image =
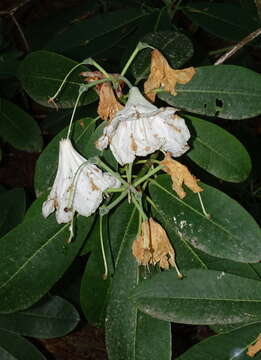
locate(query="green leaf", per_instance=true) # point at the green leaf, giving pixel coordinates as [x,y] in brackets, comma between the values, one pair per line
[11,214]
[85,33]
[222,235]
[46,166]
[94,287]
[174,45]
[40,31]
[218,152]
[202,297]
[33,256]
[221,20]
[226,91]
[19,128]
[52,317]
[129,334]
[41,74]
[15,347]
[229,346]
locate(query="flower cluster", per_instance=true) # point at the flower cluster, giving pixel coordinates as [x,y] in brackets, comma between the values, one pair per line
[137,129]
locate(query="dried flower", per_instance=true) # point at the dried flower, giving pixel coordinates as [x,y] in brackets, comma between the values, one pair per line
[78,185]
[180,174]
[163,76]
[152,246]
[141,128]
[108,104]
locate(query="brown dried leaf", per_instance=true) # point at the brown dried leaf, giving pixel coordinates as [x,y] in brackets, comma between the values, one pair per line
[163,76]
[254,349]
[180,174]
[108,104]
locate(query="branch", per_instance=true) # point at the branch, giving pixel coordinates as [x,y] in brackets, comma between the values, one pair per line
[238,46]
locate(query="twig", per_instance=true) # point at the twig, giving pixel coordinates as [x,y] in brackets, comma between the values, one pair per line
[15,8]
[11,12]
[26,45]
[238,46]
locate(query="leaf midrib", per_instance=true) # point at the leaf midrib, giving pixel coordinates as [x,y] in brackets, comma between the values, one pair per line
[197,212]
[31,257]
[209,147]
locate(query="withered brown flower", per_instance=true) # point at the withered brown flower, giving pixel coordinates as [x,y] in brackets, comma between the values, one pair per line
[153,247]
[163,76]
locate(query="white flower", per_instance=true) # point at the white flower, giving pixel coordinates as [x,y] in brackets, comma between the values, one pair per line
[141,128]
[78,185]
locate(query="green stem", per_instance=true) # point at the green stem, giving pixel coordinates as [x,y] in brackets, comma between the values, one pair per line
[90,61]
[103,210]
[100,163]
[105,275]
[82,89]
[138,48]
[139,207]
[63,82]
[148,175]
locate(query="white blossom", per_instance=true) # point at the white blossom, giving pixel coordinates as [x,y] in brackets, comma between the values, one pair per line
[78,185]
[141,128]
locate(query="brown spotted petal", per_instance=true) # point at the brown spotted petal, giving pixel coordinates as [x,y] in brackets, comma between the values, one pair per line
[163,76]
[141,248]
[180,174]
[140,128]
[78,185]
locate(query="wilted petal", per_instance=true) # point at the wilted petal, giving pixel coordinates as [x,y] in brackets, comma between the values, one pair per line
[163,76]
[108,104]
[141,128]
[180,174]
[78,185]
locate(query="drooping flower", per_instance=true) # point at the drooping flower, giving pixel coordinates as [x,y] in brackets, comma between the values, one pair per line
[141,128]
[153,247]
[78,185]
[180,174]
[163,76]
[108,103]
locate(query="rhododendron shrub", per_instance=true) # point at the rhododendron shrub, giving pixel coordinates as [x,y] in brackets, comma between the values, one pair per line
[121,187]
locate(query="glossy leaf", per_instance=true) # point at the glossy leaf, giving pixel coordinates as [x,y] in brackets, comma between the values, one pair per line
[174,45]
[218,152]
[46,166]
[84,34]
[51,317]
[226,91]
[19,128]
[229,346]
[33,256]
[221,19]
[41,74]
[129,334]
[12,209]
[94,287]
[202,297]
[15,347]
[222,235]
